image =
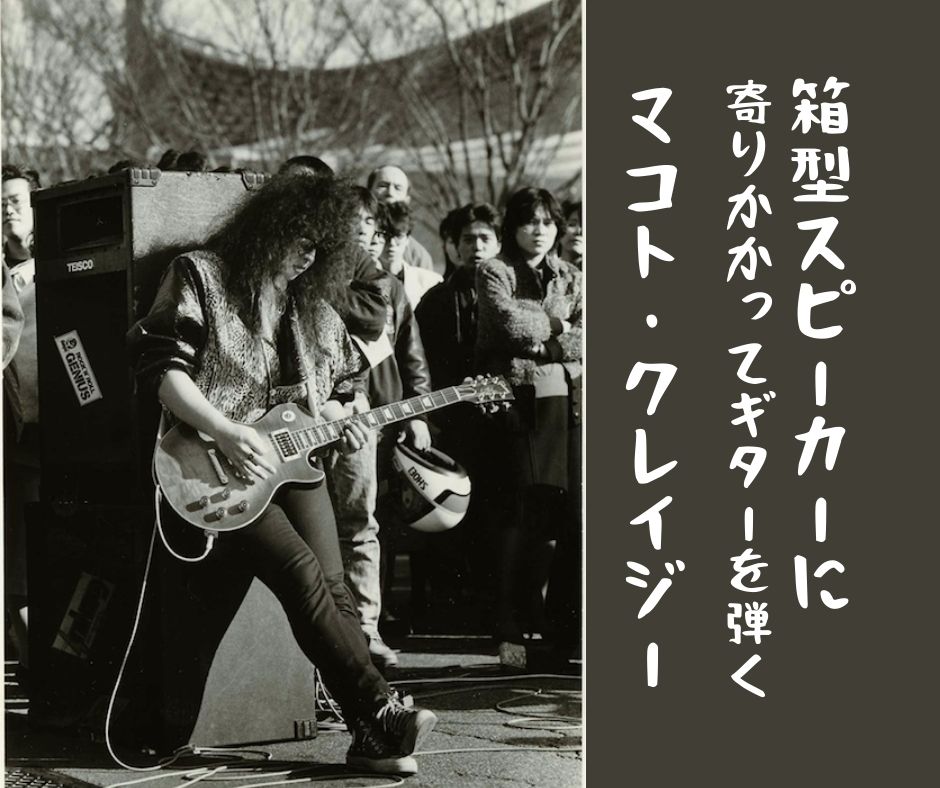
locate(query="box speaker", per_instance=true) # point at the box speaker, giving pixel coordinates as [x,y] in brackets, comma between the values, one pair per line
[102,246]
[214,661]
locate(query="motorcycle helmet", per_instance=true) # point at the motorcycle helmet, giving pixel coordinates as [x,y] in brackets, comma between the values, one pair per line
[433,490]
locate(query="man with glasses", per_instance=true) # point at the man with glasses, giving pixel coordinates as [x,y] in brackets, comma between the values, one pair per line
[390,185]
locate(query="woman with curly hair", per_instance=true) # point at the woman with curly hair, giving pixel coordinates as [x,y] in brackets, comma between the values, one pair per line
[237,328]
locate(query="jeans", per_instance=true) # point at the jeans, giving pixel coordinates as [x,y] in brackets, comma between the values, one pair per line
[292,548]
[353,487]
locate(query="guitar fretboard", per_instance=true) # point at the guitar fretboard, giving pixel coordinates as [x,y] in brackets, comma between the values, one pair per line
[322,434]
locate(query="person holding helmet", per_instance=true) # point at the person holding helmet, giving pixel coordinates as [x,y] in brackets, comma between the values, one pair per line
[460,565]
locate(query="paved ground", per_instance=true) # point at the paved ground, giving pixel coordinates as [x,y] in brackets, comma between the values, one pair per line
[495,730]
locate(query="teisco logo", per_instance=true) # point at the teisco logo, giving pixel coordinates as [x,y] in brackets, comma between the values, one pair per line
[80,265]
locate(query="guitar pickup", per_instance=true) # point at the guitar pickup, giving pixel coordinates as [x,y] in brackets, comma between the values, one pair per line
[284,443]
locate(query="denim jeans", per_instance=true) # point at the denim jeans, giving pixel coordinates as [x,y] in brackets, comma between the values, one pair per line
[293,549]
[353,487]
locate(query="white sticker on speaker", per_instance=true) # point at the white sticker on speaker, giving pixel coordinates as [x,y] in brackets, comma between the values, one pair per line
[76,365]
[83,619]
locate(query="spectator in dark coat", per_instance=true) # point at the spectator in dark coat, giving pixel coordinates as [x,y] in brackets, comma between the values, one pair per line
[447,312]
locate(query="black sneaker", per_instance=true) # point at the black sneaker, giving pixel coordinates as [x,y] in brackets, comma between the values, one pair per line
[405,726]
[372,751]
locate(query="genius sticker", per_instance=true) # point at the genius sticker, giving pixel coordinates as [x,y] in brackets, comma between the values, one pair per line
[77,367]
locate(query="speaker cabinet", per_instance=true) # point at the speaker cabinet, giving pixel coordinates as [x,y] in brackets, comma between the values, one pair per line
[102,246]
[214,661]
[231,671]
[85,570]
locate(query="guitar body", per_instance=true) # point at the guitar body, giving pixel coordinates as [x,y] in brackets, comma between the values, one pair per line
[201,486]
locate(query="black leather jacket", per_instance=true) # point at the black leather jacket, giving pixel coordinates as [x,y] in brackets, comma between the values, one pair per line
[447,316]
[362,304]
[405,374]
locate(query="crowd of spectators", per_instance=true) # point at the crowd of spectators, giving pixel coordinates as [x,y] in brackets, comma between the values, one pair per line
[508,302]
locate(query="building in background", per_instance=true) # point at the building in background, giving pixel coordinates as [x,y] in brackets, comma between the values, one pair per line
[477,100]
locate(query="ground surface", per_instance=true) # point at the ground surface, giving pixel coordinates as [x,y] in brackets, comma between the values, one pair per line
[534,742]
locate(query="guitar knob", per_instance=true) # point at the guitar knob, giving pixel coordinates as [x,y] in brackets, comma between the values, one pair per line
[242,506]
[203,502]
[225,494]
[219,514]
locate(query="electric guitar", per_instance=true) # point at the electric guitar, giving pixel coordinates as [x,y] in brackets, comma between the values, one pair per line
[202,487]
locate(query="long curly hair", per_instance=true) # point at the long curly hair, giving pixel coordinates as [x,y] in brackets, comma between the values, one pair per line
[255,240]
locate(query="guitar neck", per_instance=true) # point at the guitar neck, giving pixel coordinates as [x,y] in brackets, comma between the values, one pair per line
[317,436]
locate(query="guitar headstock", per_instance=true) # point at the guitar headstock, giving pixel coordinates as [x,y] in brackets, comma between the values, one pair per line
[486,390]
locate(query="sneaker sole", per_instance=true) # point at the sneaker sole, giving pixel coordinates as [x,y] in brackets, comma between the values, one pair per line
[424,722]
[398,765]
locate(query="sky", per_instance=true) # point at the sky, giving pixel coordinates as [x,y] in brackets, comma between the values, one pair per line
[233,24]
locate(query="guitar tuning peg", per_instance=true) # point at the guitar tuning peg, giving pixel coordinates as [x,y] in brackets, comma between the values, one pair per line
[479,377]
[505,405]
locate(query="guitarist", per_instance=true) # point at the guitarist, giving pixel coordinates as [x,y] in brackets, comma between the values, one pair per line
[235,329]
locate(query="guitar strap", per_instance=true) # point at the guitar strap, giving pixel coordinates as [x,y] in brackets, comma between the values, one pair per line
[311,399]
[162,428]
[302,360]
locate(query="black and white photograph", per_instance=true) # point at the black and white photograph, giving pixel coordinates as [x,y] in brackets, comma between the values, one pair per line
[297,287]
[325,488]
